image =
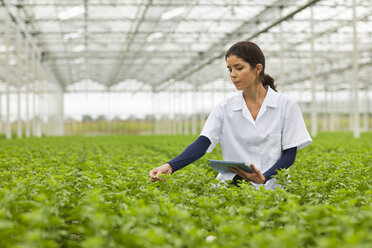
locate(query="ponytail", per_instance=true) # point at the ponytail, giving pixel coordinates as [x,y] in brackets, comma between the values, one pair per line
[268,80]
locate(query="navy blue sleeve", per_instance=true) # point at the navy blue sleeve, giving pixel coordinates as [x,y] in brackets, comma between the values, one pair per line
[192,153]
[286,160]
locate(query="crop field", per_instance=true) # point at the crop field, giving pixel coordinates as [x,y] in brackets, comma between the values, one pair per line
[95,192]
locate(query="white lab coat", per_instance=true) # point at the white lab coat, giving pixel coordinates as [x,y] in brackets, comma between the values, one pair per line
[279,125]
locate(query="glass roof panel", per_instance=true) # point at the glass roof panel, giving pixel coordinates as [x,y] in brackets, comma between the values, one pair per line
[109,41]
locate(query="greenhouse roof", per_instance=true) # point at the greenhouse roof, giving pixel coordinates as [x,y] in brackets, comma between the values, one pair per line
[139,45]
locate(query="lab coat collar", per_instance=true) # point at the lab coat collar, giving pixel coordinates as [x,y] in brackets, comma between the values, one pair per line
[271,100]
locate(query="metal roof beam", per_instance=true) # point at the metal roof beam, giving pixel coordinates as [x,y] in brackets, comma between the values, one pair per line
[347,67]
[173,28]
[182,73]
[64,45]
[132,3]
[22,28]
[127,44]
[187,20]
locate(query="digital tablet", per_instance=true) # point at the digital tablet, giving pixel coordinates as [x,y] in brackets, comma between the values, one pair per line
[223,166]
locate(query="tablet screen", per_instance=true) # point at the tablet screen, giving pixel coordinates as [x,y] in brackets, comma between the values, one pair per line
[223,166]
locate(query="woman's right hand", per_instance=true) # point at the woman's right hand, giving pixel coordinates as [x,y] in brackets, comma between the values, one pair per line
[163,169]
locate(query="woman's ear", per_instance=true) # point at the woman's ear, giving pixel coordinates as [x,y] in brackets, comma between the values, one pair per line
[259,68]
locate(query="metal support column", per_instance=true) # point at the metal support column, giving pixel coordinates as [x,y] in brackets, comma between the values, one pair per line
[34,79]
[158,99]
[183,106]
[314,111]
[174,106]
[158,117]
[108,100]
[332,111]
[366,111]
[162,114]
[141,120]
[131,118]
[165,109]
[187,113]
[19,81]
[171,111]
[212,96]
[351,108]
[43,102]
[201,117]
[153,113]
[8,131]
[61,122]
[180,115]
[355,81]
[47,128]
[39,80]
[281,74]
[326,109]
[193,111]
[27,95]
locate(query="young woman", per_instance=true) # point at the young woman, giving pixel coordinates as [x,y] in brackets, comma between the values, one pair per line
[257,125]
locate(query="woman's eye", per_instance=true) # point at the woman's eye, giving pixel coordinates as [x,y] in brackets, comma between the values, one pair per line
[239,69]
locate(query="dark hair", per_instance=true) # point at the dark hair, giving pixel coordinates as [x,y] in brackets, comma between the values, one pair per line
[252,54]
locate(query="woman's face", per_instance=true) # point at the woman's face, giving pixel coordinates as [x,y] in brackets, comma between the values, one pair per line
[241,73]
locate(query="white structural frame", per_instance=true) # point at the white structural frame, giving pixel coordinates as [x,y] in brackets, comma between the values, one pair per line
[323,54]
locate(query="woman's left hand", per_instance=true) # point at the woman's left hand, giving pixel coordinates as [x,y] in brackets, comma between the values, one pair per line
[255,177]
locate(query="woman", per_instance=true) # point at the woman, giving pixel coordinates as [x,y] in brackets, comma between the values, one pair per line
[256,125]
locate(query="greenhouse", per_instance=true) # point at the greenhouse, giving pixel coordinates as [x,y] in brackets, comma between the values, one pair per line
[97,94]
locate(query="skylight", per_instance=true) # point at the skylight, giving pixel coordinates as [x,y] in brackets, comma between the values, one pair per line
[72,12]
[154,36]
[173,13]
